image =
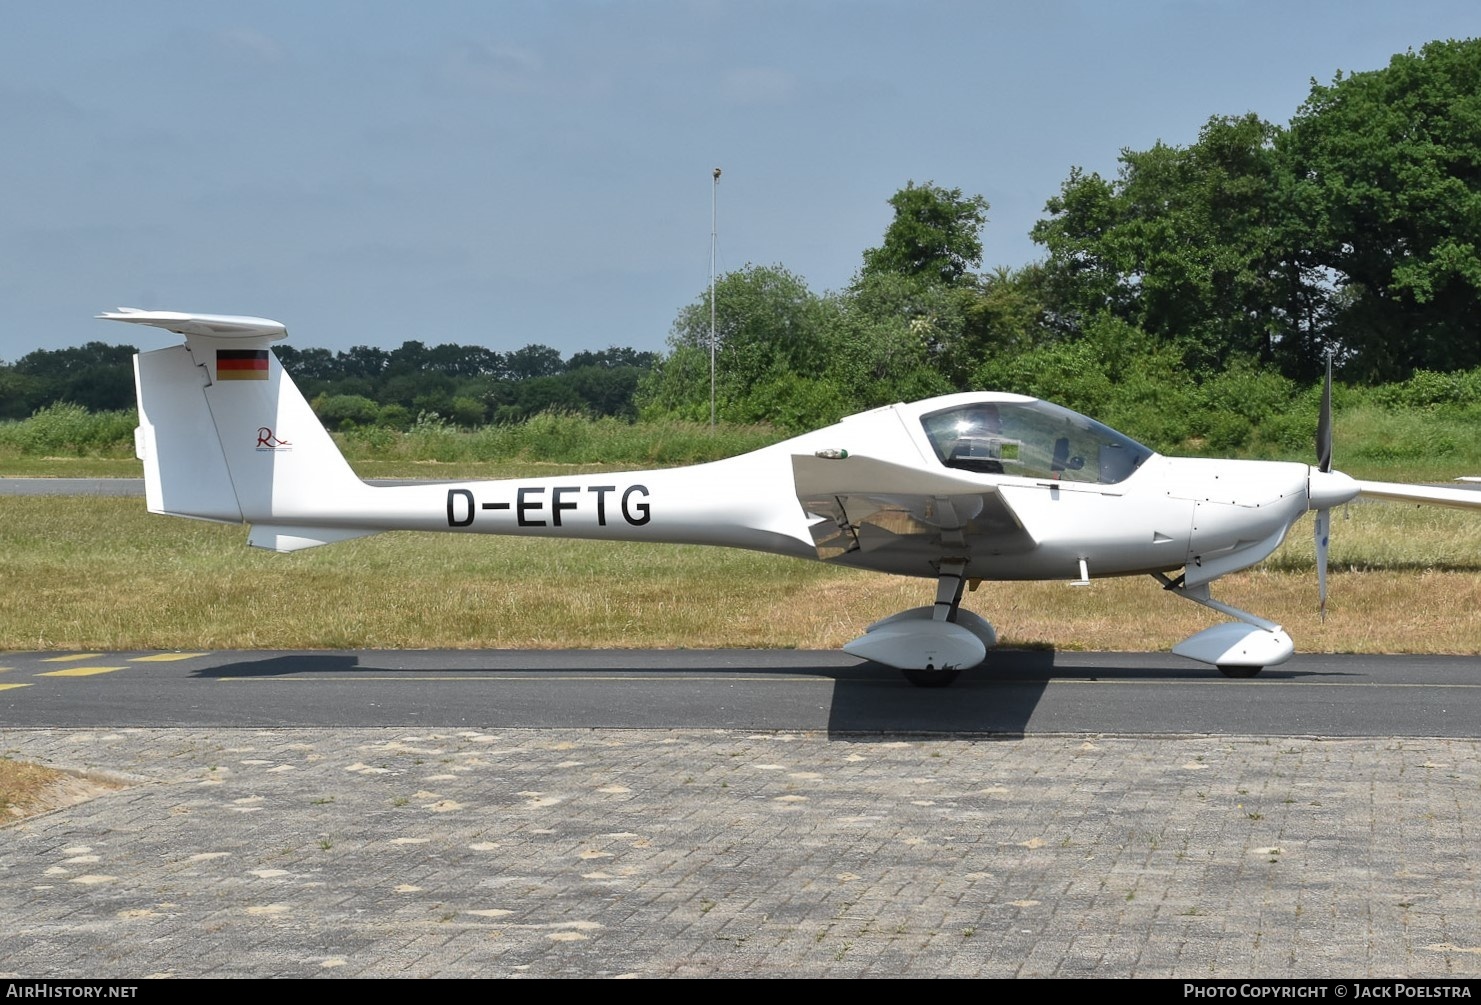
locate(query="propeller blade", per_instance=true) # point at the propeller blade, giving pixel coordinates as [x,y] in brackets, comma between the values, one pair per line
[1322,529]
[1324,423]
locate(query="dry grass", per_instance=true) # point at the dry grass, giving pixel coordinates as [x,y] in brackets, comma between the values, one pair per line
[23,786]
[27,789]
[101,574]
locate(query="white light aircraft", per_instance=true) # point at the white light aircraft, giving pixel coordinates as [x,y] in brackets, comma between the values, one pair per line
[956,489]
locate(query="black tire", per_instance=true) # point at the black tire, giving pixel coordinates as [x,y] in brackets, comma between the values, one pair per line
[1240,671]
[932,678]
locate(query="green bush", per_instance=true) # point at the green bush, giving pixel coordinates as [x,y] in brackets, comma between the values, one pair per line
[433,438]
[346,411]
[368,441]
[67,429]
[564,435]
[792,403]
[1428,389]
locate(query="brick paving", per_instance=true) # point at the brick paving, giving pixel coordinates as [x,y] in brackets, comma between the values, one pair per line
[587,853]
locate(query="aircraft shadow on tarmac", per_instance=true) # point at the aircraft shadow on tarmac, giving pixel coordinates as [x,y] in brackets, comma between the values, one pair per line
[1006,666]
[995,701]
[868,700]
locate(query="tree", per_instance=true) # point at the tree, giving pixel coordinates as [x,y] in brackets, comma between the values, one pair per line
[466,361]
[935,236]
[1384,169]
[1085,272]
[1185,244]
[309,364]
[96,376]
[548,393]
[678,387]
[613,357]
[880,338]
[20,394]
[767,324]
[605,390]
[364,361]
[422,390]
[1002,314]
[411,357]
[533,361]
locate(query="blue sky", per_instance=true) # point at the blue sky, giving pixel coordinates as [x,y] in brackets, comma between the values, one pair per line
[508,173]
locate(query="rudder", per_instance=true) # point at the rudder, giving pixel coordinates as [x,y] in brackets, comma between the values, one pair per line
[185,471]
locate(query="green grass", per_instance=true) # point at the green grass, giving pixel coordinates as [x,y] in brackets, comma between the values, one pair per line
[13,465]
[557,438]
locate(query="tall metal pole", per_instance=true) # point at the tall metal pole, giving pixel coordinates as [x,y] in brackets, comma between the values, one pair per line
[714,192]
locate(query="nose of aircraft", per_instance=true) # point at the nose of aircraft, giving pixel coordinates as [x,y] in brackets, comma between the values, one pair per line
[1325,489]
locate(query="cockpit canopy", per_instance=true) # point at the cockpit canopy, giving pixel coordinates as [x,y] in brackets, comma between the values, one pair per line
[1031,439]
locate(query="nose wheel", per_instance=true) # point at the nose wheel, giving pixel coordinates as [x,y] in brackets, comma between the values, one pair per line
[1233,671]
[932,678]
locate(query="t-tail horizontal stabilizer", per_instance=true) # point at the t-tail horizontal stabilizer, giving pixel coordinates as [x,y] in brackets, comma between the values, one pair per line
[211,325]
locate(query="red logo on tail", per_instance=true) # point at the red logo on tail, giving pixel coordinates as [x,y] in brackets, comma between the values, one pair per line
[267,441]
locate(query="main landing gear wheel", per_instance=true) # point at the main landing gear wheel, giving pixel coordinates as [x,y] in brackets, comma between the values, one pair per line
[1229,671]
[932,678]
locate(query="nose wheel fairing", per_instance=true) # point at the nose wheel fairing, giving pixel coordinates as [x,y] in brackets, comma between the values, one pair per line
[1237,645]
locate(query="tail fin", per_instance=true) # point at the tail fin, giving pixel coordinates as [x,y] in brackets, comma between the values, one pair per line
[225,434]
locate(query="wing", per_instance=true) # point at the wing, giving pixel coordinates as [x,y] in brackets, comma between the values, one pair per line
[1434,495]
[866,505]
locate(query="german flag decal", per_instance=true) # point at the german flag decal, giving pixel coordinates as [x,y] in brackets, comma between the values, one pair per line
[241,364]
